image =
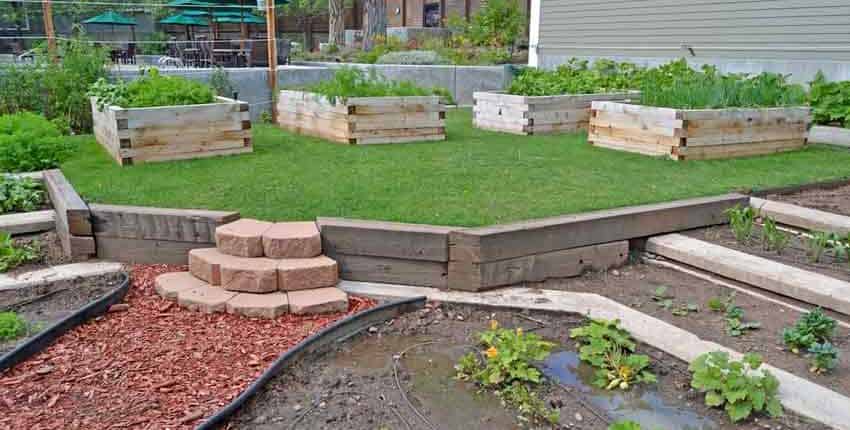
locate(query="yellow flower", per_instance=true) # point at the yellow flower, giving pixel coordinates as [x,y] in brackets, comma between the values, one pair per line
[492,352]
[519,331]
[494,324]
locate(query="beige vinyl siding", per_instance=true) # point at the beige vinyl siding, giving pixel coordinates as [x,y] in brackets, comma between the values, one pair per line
[735,29]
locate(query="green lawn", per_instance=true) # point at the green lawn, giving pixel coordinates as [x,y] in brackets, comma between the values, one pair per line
[474,178]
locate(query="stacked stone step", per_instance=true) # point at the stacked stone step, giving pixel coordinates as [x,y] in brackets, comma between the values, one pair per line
[259,269]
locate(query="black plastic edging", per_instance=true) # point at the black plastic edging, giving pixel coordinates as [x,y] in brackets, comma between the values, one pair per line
[46,337]
[340,330]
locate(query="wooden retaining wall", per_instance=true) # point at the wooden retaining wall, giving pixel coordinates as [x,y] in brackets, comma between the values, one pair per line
[363,120]
[528,115]
[144,235]
[73,219]
[698,134]
[830,135]
[139,135]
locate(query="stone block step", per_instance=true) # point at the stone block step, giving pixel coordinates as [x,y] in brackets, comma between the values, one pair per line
[242,238]
[202,297]
[250,275]
[292,240]
[317,301]
[169,285]
[205,263]
[307,273]
[271,305]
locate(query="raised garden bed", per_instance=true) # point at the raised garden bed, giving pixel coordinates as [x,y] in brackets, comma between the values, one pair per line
[527,115]
[698,134]
[164,133]
[829,135]
[363,120]
[835,199]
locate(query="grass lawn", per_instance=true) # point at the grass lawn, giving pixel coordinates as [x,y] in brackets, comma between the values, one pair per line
[474,178]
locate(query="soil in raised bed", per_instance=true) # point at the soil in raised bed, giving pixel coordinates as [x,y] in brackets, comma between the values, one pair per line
[353,385]
[835,200]
[50,252]
[795,253]
[46,304]
[635,285]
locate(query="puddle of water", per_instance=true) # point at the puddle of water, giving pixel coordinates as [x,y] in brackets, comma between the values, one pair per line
[641,404]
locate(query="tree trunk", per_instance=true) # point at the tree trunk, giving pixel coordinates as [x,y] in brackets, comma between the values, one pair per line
[375,23]
[336,34]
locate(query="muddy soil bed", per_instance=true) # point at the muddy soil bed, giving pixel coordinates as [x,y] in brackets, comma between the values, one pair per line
[43,305]
[795,253]
[635,285]
[835,200]
[353,385]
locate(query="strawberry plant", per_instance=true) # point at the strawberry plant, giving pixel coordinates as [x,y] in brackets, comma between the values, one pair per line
[609,349]
[20,194]
[812,328]
[740,387]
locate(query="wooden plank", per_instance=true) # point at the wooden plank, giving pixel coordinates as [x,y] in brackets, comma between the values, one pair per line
[657,113]
[744,135]
[501,242]
[638,148]
[389,101]
[803,217]
[738,150]
[71,210]
[385,239]
[505,127]
[399,132]
[134,222]
[408,107]
[245,149]
[392,270]
[789,281]
[663,127]
[399,139]
[143,251]
[469,276]
[28,222]
[788,113]
[830,135]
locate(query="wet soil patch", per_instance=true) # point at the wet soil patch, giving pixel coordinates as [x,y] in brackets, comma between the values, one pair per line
[353,385]
[45,304]
[835,200]
[795,253]
[635,285]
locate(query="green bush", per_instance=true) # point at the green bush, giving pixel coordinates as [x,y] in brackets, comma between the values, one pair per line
[351,82]
[499,23]
[830,101]
[29,142]
[577,77]
[11,326]
[20,194]
[383,45]
[152,90]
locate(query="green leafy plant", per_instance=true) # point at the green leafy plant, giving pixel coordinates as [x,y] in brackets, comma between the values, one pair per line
[660,297]
[20,194]
[12,256]
[30,142]
[841,246]
[577,77]
[735,324]
[220,82]
[151,90]
[740,387]
[824,357]
[773,239]
[12,326]
[830,101]
[609,349]
[818,243]
[625,425]
[811,328]
[741,220]
[720,304]
[685,310]
[351,82]
[505,367]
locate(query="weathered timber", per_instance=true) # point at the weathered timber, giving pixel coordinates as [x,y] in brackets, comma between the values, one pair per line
[164,133]
[28,222]
[527,115]
[363,120]
[698,134]
[144,251]
[392,270]
[73,223]
[385,239]
[181,225]
[802,217]
[826,135]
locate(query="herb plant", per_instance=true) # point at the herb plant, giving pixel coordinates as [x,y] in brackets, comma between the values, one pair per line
[12,326]
[818,243]
[12,255]
[609,349]
[824,356]
[577,77]
[350,82]
[812,328]
[151,90]
[30,142]
[741,220]
[773,239]
[740,387]
[20,194]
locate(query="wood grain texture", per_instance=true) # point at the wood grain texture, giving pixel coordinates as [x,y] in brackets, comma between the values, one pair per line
[28,222]
[144,251]
[73,223]
[385,239]
[182,225]
[392,270]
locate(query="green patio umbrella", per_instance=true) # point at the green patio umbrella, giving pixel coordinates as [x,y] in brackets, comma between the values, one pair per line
[246,19]
[186,20]
[112,19]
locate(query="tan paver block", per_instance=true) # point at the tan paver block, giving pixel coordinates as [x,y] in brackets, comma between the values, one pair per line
[205,263]
[307,273]
[318,301]
[249,275]
[168,285]
[204,298]
[269,305]
[292,240]
[242,238]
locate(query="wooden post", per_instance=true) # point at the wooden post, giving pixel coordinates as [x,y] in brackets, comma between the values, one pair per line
[404,13]
[442,13]
[271,32]
[47,9]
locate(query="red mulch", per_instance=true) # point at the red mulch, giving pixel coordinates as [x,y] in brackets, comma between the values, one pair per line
[153,366]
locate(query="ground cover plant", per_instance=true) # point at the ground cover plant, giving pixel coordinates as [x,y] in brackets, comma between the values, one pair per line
[151,90]
[610,350]
[473,178]
[30,142]
[20,194]
[12,326]
[740,387]
[577,77]
[13,255]
[351,82]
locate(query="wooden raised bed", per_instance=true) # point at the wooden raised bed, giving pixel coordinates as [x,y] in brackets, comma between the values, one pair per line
[527,115]
[698,134]
[363,120]
[164,133]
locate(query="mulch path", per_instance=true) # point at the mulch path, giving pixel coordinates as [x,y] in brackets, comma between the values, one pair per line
[153,366]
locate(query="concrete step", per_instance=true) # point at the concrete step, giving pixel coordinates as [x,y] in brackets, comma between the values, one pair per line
[250,275]
[169,285]
[306,273]
[292,240]
[270,305]
[242,238]
[205,263]
[802,217]
[191,292]
[317,301]
[28,222]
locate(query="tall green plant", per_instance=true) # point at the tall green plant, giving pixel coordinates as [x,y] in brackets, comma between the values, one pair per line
[741,220]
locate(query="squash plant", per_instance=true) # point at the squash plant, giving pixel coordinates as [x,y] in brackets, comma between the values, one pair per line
[609,349]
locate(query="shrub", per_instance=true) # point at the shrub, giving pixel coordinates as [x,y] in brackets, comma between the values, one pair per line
[352,82]
[498,23]
[151,90]
[830,101]
[383,45]
[577,77]
[20,194]
[740,387]
[220,82]
[12,256]
[412,57]
[30,142]
[11,326]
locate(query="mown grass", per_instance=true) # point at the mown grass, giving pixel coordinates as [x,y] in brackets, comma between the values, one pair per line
[474,178]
